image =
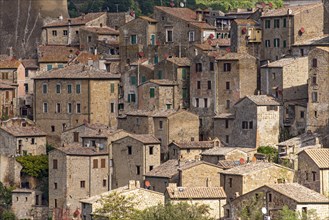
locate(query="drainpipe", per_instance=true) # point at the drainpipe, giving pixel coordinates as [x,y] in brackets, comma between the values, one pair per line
[89,194]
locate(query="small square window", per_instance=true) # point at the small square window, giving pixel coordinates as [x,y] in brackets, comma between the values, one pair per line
[82,184]
[151,150]
[138,170]
[130,151]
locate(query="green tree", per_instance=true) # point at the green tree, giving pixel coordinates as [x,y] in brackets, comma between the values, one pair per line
[270,153]
[35,166]
[7,215]
[252,208]
[288,214]
[5,196]
[179,211]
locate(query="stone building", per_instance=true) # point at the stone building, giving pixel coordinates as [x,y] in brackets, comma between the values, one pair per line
[289,149]
[55,57]
[286,79]
[143,198]
[159,94]
[27,204]
[245,178]
[313,170]
[167,126]
[293,195]
[187,173]
[214,197]
[190,150]
[8,104]
[65,31]
[285,26]
[132,156]
[90,135]
[256,123]
[176,69]
[237,77]
[318,98]
[20,136]
[76,173]
[74,95]
[8,68]
[90,38]
[117,19]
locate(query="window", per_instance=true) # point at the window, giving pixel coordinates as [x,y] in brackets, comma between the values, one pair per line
[89,39]
[152,39]
[184,93]
[251,125]
[69,88]
[93,143]
[314,63]
[273,76]
[159,74]
[267,24]
[198,67]
[133,39]
[316,114]
[209,84]
[103,163]
[184,74]
[314,96]
[49,67]
[227,139]
[244,125]
[95,163]
[65,32]
[132,97]
[284,44]
[160,124]
[211,66]
[314,80]
[191,35]
[45,107]
[197,102]
[200,122]
[276,42]
[77,88]
[151,150]
[267,43]
[152,91]
[270,197]
[133,80]
[58,107]
[138,170]
[302,114]
[69,108]
[198,84]
[54,33]
[226,123]
[26,87]
[130,150]
[168,106]
[314,175]
[143,79]
[76,136]
[112,107]
[32,141]
[230,182]
[169,35]
[26,73]
[227,67]
[228,104]
[284,22]
[82,184]
[52,128]
[55,201]
[205,100]
[76,32]
[104,183]
[276,23]
[156,59]
[55,185]
[55,163]
[304,210]
[150,168]
[228,86]
[78,109]
[44,88]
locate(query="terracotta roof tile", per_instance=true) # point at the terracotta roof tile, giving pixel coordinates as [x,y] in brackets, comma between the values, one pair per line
[162,82]
[53,54]
[77,71]
[82,151]
[250,168]
[30,63]
[285,61]
[182,13]
[145,138]
[196,192]
[262,100]
[82,20]
[148,19]
[9,63]
[228,164]
[101,30]
[183,61]
[7,85]
[299,193]
[21,128]
[319,156]
[194,144]
[241,21]
[294,10]
[218,151]
[234,56]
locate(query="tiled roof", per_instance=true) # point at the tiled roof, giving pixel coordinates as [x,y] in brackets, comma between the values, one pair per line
[139,113]
[194,144]
[316,41]
[250,168]
[145,138]
[205,46]
[262,100]
[228,164]
[53,54]
[163,82]
[30,63]
[222,42]
[225,115]
[9,63]
[77,71]
[82,20]
[148,19]
[299,193]
[101,30]
[217,151]
[285,61]
[7,85]
[283,11]
[196,192]
[99,133]
[323,48]
[319,156]
[299,140]
[82,151]
[182,13]
[20,131]
[241,21]
[234,56]
[183,61]
[85,56]
[203,25]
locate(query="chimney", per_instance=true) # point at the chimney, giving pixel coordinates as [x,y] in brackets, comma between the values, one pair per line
[11,52]
[131,184]
[199,16]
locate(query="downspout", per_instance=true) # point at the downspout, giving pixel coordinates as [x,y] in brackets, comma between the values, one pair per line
[89,176]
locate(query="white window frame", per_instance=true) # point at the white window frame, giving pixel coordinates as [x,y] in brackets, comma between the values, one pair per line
[68,108]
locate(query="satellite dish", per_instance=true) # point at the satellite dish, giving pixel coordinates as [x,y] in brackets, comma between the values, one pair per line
[264,210]
[181,4]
